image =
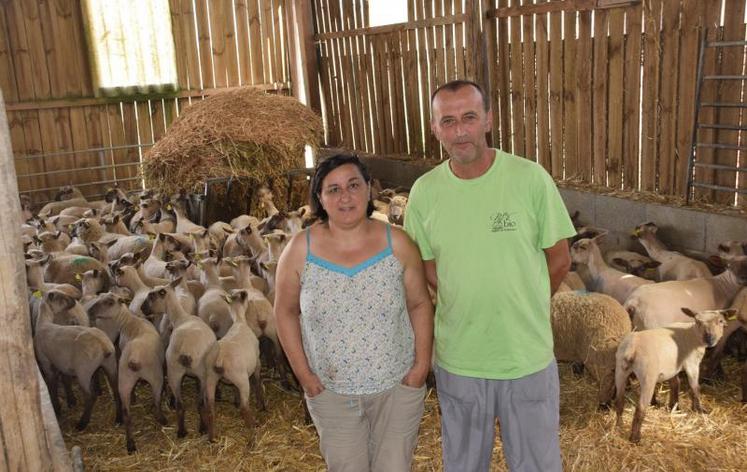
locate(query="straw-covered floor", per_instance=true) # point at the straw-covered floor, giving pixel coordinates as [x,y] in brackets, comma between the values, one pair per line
[671,440]
[242,132]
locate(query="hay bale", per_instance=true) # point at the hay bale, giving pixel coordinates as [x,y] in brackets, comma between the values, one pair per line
[242,133]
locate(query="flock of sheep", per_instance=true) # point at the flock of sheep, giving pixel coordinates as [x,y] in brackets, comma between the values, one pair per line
[132,287]
[624,313]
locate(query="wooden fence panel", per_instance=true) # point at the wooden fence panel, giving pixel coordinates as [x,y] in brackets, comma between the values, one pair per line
[584,110]
[631,114]
[530,87]
[19,45]
[687,72]
[517,88]
[556,93]
[7,76]
[651,81]
[615,98]
[668,97]
[570,128]
[543,90]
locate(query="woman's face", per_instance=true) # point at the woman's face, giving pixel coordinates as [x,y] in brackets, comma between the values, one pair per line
[344,194]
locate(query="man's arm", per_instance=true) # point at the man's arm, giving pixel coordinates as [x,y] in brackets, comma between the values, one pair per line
[430,274]
[558,263]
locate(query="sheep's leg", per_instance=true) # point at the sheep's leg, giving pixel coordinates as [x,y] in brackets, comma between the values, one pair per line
[621,379]
[647,391]
[202,408]
[744,383]
[175,384]
[110,371]
[212,384]
[156,385]
[90,399]
[52,379]
[259,396]
[692,378]
[674,391]
[606,390]
[127,381]
[67,384]
[712,364]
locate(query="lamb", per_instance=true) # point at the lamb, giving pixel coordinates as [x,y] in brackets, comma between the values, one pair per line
[93,283]
[68,196]
[674,266]
[605,279]
[155,265]
[396,211]
[75,351]
[633,263]
[656,305]
[66,268]
[246,240]
[235,359]
[126,276]
[212,306]
[141,357]
[52,241]
[133,244]
[266,202]
[190,342]
[35,279]
[276,242]
[587,329]
[660,354]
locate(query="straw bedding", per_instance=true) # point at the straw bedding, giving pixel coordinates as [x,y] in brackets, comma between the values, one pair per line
[671,440]
[242,132]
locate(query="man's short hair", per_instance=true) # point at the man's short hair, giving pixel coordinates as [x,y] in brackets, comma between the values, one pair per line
[455,85]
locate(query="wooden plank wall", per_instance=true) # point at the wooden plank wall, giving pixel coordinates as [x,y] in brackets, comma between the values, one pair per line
[62,134]
[599,96]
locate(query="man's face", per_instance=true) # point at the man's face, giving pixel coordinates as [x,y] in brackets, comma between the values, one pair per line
[459,121]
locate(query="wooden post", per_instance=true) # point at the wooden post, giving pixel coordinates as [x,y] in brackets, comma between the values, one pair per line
[303,54]
[22,435]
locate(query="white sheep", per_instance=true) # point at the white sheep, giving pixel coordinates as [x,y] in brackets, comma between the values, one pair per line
[587,329]
[235,359]
[657,305]
[633,263]
[674,266]
[185,355]
[619,285]
[656,355]
[74,351]
[212,306]
[141,357]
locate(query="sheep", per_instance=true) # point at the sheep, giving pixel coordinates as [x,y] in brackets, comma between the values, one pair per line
[133,244]
[93,282]
[66,268]
[52,241]
[26,207]
[115,224]
[573,281]
[148,211]
[183,224]
[235,359]
[633,263]
[141,357]
[587,329]
[68,196]
[245,240]
[212,306]
[75,351]
[674,266]
[656,305]
[660,354]
[266,203]
[276,242]
[155,265]
[126,276]
[605,279]
[35,279]
[190,341]
[242,221]
[396,211]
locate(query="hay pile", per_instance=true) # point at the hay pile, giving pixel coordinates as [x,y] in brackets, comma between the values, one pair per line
[671,440]
[242,132]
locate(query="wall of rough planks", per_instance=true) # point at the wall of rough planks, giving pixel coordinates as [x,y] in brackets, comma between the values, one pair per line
[604,96]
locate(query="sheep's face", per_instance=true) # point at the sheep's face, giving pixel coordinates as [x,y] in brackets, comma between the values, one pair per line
[94,281]
[278,221]
[397,210]
[738,267]
[581,251]
[59,301]
[276,242]
[710,324]
[155,301]
[645,230]
[176,268]
[731,249]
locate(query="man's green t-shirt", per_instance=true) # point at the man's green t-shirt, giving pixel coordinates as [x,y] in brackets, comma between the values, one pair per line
[487,237]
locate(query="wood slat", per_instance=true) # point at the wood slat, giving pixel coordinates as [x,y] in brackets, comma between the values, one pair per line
[459,52]
[530,88]
[224,42]
[599,90]
[398,109]
[268,41]
[500,87]
[98,137]
[180,41]
[631,114]
[584,110]
[615,102]
[19,47]
[37,54]
[412,96]
[277,33]
[242,38]
[70,57]
[449,43]
[732,61]
[651,80]
[687,75]
[7,69]
[570,138]
[81,140]
[256,46]
[517,88]
[543,90]
[668,97]
[54,127]
[203,41]
[556,94]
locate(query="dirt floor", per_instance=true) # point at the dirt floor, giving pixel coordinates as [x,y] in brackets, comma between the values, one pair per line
[671,440]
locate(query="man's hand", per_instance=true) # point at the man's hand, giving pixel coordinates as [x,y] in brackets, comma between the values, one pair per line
[415,377]
[311,384]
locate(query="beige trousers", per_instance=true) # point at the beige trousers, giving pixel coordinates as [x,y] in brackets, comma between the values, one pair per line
[376,432]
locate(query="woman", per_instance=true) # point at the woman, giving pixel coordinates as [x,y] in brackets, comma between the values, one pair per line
[356,323]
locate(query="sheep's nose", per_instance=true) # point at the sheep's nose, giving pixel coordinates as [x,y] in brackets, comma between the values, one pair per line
[710,340]
[262,324]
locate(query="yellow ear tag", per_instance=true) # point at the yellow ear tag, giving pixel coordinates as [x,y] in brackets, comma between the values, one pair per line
[732,317]
[151,236]
[78,277]
[168,207]
[37,294]
[228,299]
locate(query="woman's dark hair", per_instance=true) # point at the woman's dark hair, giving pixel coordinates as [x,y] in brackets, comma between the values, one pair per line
[323,168]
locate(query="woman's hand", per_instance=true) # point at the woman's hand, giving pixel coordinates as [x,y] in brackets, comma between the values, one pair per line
[311,384]
[415,377]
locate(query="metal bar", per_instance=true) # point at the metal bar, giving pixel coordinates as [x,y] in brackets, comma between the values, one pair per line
[732,147]
[716,126]
[66,153]
[721,167]
[720,188]
[725,77]
[723,105]
[721,44]
[87,184]
[694,135]
[68,171]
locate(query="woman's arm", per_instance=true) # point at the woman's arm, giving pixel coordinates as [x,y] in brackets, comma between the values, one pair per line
[288,312]
[419,306]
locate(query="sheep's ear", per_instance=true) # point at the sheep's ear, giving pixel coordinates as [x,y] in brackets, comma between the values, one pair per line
[96,273]
[58,234]
[111,243]
[652,264]
[600,237]
[730,314]
[621,262]
[175,282]
[688,312]
[115,218]
[302,211]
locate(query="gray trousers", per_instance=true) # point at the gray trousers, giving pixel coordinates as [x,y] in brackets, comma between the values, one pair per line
[376,432]
[526,408]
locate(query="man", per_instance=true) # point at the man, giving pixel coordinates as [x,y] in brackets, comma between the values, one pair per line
[491,228]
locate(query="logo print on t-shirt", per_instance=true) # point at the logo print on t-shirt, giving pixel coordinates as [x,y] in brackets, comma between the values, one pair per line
[503,221]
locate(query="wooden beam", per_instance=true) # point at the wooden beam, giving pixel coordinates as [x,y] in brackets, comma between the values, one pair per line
[550,7]
[304,64]
[444,20]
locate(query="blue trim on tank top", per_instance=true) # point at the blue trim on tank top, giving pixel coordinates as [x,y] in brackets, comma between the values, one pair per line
[356,269]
